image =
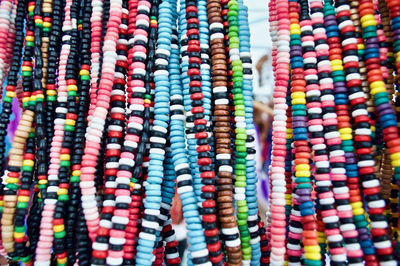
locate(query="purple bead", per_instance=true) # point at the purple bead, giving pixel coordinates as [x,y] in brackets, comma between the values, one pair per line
[383,107]
[302,199]
[299,124]
[299,119]
[294,53]
[329,22]
[339,89]
[371,41]
[303,191]
[386,111]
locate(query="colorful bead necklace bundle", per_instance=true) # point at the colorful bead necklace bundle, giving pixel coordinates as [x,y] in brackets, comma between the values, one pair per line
[125,103]
[335,133]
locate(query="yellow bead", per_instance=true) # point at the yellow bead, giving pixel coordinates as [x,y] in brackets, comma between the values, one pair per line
[378,90]
[19,235]
[373,128]
[288,196]
[337,68]
[338,62]
[42,182]
[312,256]
[396,163]
[51,92]
[31,8]
[298,94]
[377,84]
[302,167]
[11,94]
[23,198]
[76,172]
[33,98]
[358,211]
[299,101]
[312,249]
[84,72]
[395,156]
[29,38]
[367,17]
[62,261]
[346,130]
[62,191]
[153,21]
[40,96]
[346,136]
[72,88]
[58,228]
[295,26]
[38,21]
[12,180]
[65,157]
[295,32]
[303,174]
[147,101]
[25,99]
[131,184]
[1,202]
[26,68]
[368,23]
[357,204]
[29,163]
[360,46]
[46,24]
[70,122]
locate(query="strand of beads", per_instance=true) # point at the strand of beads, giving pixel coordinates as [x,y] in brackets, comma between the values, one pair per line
[251,176]
[350,63]
[7,36]
[240,131]
[279,134]
[333,141]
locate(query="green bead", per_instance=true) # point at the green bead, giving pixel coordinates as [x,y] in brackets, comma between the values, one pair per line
[46,29]
[233,34]
[62,264]
[12,186]
[241,148]
[7,99]
[237,90]
[238,97]
[299,113]
[65,163]
[233,6]
[27,168]
[362,224]
[312,262]
[241,160]
[240,130]
[239,107]
[26,73]
[233,22]
[243,227]
[39,25]
[69,128]
[51,98]
[304,186]
[299,180]
[237,74]
[63,197]
[240,184]
[42,186]
[296,107]
[240,142]
[240,166]
[19,229]
[238,102]
[241,203]
[234,40]
[59,234]
[368,35]
[147,96]
[241,154]
[240,173]
[232,13]
[246,256]
[26,259]
[22,205]
[242,218]
[245,239]
[30,44]
[239,113]
[243,209]
[71,93]
[75,179]
[233,29]
[85,77]
[370,29]
[241,136]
